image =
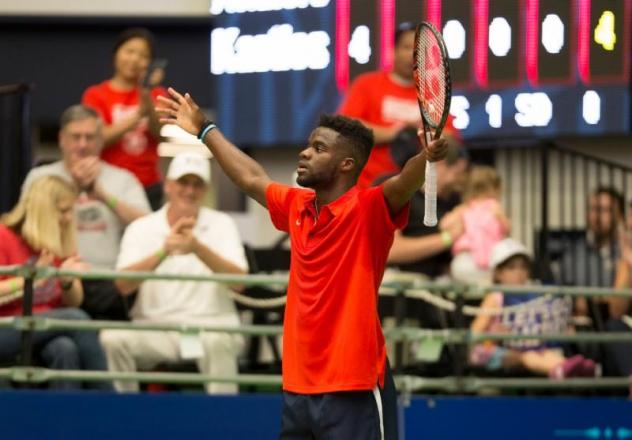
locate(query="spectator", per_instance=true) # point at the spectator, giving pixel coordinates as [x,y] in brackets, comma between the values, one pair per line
[181,238]
[530,314]
[132,129]
[485,224]
[619,354]
[110,198]
[39,230]
[424,249]
[386,102]
[619,306]
[591,260]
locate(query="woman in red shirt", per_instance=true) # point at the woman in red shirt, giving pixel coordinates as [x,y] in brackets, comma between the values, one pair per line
[131,128]
[40,230]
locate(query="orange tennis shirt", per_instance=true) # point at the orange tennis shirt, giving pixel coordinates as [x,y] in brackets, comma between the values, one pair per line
[332,338]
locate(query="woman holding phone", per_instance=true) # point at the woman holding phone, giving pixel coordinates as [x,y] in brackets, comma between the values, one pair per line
[126,105]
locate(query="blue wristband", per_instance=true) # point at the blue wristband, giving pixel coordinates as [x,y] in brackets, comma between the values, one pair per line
[205,130]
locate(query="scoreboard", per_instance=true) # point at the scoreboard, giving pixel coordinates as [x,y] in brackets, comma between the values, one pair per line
[540,68]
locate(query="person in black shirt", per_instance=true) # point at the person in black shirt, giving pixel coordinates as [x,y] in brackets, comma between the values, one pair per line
[423,249]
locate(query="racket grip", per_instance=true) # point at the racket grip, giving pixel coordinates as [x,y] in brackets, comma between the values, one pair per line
[430,195]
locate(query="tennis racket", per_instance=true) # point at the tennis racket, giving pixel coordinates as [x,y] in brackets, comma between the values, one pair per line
[434,92]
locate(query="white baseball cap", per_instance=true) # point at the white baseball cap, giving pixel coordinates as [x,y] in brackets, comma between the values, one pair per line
[504,250]
[189,163]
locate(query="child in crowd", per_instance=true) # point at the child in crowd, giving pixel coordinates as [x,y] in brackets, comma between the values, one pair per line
[524,314]
[485,224]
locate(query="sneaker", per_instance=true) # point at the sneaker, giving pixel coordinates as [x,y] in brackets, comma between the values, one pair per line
[568,368]
[588,368]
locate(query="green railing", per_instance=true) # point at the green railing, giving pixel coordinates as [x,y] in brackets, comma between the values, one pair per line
[400,285]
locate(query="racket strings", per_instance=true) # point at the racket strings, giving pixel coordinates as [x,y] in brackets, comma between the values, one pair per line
[430,76]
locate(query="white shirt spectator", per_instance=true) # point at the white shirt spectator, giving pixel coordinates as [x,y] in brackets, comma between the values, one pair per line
[183,301]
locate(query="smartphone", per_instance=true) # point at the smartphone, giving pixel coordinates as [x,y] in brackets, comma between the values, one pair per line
[158,63]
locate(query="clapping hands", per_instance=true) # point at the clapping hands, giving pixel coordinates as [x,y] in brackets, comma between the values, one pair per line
[181,239]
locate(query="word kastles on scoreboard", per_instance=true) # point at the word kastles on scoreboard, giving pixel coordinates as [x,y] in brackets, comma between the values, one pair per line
[280,49]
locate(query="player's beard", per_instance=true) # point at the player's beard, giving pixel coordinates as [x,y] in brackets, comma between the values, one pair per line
[315,180]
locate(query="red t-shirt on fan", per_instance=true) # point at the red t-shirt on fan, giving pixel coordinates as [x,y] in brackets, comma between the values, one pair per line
[14,250]
[332,337]
[376,99]
[137,151]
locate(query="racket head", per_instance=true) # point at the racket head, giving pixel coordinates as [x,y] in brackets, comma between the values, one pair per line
[431,74]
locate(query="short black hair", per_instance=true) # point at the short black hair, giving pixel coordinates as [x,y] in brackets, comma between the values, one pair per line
[402,28]
[359,138]
[131,33]
[614,195]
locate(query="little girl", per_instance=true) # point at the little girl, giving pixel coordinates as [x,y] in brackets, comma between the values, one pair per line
[484,222]
[524,314]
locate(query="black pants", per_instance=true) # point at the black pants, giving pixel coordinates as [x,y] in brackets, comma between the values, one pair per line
[341,415]
[618,354]
[102,300]
[61,349]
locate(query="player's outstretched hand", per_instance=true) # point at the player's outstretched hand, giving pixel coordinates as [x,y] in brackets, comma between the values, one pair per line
[180,110]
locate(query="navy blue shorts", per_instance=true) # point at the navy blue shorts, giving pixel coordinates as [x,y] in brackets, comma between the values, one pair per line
[344,415]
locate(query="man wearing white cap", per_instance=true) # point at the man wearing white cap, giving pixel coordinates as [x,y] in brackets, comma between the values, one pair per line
[181,238]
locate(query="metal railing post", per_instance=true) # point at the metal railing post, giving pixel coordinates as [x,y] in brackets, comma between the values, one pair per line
[27,310]
[544,260]
[400,316]
[461,346]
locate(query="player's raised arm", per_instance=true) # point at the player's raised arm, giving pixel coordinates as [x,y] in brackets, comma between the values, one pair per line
[242,169]
[399,189]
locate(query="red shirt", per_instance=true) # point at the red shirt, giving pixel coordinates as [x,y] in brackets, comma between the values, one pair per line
[14,250]
[137,151]
[332,338]
[376,99]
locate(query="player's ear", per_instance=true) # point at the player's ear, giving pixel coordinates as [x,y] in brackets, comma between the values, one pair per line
[347,164]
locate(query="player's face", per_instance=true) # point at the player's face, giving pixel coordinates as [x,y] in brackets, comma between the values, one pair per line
[186,194]
[403,55]
[514,272]
[81,138]
[132,59]
[318,162]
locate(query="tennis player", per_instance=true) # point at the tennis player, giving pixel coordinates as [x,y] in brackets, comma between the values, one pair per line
[334,356]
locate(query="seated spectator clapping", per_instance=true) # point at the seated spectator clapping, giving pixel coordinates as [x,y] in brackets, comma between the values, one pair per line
[181,238]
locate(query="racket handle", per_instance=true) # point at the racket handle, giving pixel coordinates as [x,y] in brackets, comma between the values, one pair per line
[430,195]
